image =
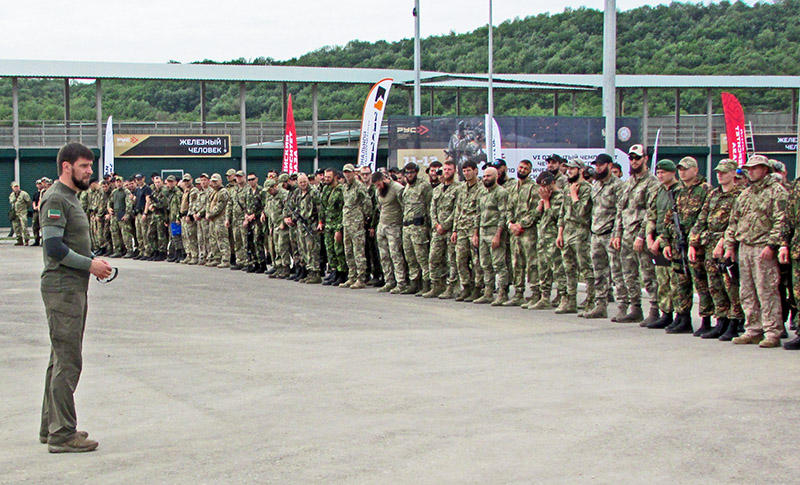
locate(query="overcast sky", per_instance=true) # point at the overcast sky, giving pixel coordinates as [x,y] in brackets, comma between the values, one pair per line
[185,31]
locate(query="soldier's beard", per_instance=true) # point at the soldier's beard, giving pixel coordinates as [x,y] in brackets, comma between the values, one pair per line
[634,171]
[488,183]
[384,190]
[601,175]
[501,177]
[80,183]
[574,179]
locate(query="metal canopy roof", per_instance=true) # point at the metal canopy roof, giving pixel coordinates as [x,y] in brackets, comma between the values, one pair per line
[433,79]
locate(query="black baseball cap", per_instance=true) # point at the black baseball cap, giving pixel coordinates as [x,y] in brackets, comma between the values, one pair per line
[602,158]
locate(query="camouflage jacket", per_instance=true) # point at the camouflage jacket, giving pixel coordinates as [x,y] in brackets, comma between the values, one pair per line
[689,199]
[466,207]
[357,205]
[576,214]
[492,209]
[217,203]
[174,204]
[100,203]
[757,215]
[417,202]
[443,202]
[159,199]
[548,223]
[254,202]
[236,208]
[657,211]
[634,200]
[523,198]
[123,202]
[605,195]
[391,205]
[189,201]
[274,207]
[790,225]
[714,218]
[561,180]
[374,217]
[303,205]
[22,201]
[332,201]
[200,203]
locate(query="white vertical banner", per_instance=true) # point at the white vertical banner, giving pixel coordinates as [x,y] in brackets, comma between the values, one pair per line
[371,123]
[497,145]
[108,150]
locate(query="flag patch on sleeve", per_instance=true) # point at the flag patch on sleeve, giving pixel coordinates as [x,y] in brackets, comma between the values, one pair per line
[54,214]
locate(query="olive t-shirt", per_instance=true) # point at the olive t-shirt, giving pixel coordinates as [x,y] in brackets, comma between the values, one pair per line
[60,207]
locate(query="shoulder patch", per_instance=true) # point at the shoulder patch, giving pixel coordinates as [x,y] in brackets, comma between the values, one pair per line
[54,214]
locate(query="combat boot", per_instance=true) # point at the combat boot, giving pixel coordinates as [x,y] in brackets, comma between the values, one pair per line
[600,310]
[224,265]
[634,315]
[769,342]
[542,304]
[622,310]
[502,297]
[487,297]
[684,324]
[731,332]
[588,305]
[251,268]
[193,262]
[235,267]
[261,268]
[569,304]
[465,292]
[333,280]
[387,287]
[663,322]
[426,287]
[748,339]
[793,344]
[557,300]
[348,283]
[313,278]
[705,326]
[160,256]
[293,273]
[437,288]
[399,289]
[276,273]
[477,291]
[170,257]
[518,300]
[209,262]
[303,275]
[652,316]
[329,277]
[718,330]
[448,293]
[113,255]
[186,259]
[412,288]
[534,298]
[358,285]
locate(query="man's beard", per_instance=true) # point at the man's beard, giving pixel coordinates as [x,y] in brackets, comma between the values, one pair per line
[488,183]
[383,191]
[522,177]
[501,178]
[80,183]
[555,171]
[601,175]
[574,179]
[634,171]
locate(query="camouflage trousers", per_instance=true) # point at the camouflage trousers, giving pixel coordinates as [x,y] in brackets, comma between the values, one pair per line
[442,259]
[667,282]
[698,280]
[20,226]
[493,260]
[254,237]
[335,251]
[280,242]
[219,245]
[203,238]
[158,233]
[121,236]
[636,267]
[468,262]
[526,265]
[724,293]
[390,248]
[354,252]
[309,248]
[294,245]
[239,247]
[576,256]
[605,262]
[416,246]
[549,259]
[142,236]
[190,238]
[758,288]
[100,229]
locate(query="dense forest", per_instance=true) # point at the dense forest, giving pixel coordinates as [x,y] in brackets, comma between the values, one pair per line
[719,38]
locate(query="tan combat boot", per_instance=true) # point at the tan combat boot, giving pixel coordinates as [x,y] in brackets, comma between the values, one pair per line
[437,288]
[569,304]
[358,285]
[542,304]
[502,297]
[389,286]
[599,311]
[477,291]
[447,294]
[486,298]
[519,299]
[313,278]
[465,292]
[622,310]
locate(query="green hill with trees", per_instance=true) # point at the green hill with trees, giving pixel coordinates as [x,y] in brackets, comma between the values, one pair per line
[720,38]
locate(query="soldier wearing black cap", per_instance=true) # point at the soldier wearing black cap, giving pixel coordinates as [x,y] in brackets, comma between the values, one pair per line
[555,164]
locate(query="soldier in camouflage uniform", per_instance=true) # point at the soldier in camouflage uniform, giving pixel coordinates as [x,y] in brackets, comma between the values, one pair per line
[274,206]
[551,199]
[355,210]
[416,230]
[234,221]
[189,224]
[556,165]
[470,272]
[175,194]
[491,237]
[120,208]
[789,252]
[332,205]
[574,237]
[254,229]
[523,200]
[629,240]
[442,255]
[215,214]
[390,232]
[99,221]
[689,201]
[605,194]
[156,211]
[370,238]
[706,237]
[755,227]
[304,214]
[20,201]
[203,231]
[656,221]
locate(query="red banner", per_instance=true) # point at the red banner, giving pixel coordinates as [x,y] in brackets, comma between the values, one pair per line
[734,127]
[290,158]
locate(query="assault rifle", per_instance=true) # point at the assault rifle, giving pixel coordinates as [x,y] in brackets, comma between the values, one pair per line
[299,218]
[680,237]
